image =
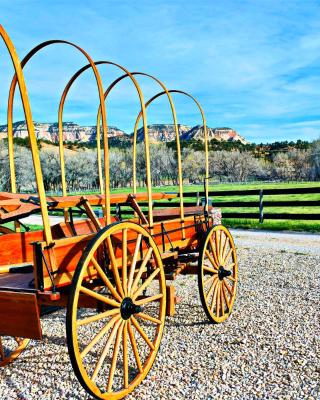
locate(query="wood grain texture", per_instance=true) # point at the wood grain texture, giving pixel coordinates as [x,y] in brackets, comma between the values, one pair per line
[19,315]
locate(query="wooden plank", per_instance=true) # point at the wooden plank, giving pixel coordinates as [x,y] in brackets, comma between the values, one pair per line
[170,306]
[224,193]
[237,204]
[307,190]
[16,248]
[240,215]
[266,203]
[292,203]
[19,315]
[30,203]
[307,217]
[253,192]
[95,199]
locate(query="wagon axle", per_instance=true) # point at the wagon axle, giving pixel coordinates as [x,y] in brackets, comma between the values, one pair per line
[222,273]
[128,308]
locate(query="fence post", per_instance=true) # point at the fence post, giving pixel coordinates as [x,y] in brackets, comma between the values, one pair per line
[198,198]
[261,206]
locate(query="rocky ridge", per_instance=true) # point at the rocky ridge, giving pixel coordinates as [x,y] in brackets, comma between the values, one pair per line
[75,133]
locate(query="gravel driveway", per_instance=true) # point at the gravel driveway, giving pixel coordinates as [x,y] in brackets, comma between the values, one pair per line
[268,349]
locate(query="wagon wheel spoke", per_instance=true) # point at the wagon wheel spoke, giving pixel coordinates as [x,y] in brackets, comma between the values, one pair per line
[115,357]
[214,297]
[125,355]
[228,255]
[214,284]
[214,260]
[106,280]
[218,300]
[231,278]
[228,288]
[124,261]
[213,263]
[149,318]
[141,270]
[221,300]
[134,347]
[225,296]
[218,274]
[114,266]
[209,269]
[149,299]
[100,297]
[225,248]
[134,262]
[147,283]
[99,335]
[105,350]
[142,333]
[97,317]
[229,267]
[220,244]
[216,238]
[209,280]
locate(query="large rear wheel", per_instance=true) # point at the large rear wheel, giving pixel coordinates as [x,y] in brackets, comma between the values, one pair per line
[113,343]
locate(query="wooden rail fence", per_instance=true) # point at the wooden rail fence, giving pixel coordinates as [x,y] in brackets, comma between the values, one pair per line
[197,198]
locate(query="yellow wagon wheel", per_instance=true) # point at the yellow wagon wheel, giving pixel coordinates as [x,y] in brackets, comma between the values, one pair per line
[10,347]
[113,343]
[218,274]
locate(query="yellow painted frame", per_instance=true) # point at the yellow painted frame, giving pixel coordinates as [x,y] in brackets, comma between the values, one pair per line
[98,135]
[134,169]
[33,142]
[19,79]
[176,128]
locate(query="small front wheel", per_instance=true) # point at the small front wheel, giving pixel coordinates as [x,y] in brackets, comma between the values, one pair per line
[218,274]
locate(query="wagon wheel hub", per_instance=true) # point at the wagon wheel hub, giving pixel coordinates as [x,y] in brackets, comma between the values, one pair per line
[128,308]
[222,273]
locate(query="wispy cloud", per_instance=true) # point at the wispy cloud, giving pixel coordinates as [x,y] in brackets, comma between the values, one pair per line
[253,65]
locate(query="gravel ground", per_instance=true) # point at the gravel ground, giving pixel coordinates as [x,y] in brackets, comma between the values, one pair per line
[269,348]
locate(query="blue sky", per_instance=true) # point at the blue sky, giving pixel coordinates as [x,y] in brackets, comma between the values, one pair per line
[253,65]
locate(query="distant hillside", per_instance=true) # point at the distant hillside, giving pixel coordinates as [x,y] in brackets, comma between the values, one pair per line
[165,133]
[75,133]
[162,132]
[49,131]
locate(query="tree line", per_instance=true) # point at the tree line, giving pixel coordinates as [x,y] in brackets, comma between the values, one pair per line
[295,164]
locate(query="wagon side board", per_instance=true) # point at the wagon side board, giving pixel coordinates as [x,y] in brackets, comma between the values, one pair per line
[19,315]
